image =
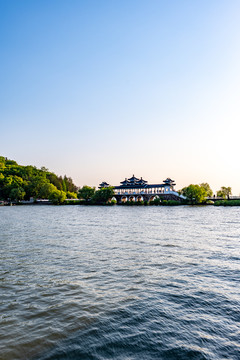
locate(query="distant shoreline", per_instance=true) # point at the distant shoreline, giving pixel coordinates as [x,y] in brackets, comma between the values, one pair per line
[170,203]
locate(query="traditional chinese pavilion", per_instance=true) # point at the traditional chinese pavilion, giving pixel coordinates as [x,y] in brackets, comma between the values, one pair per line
[135,189]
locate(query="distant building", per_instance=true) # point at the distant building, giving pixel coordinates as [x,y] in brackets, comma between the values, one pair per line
[135,189]
[103,185]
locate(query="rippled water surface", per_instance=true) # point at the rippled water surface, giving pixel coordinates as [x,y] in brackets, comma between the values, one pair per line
[119,283]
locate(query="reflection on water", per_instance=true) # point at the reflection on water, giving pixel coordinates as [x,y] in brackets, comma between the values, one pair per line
[119,283]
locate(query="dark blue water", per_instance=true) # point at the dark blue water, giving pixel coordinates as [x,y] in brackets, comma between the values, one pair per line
[119,283]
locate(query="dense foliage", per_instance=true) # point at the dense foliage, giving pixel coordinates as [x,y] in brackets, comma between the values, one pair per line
[224,192]
[86,192]
[19,182]
[197,194]
[207,188]
[96,197]
[103,195]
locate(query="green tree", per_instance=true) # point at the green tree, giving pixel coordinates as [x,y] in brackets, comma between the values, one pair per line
[57,197]
[8,180]
[103,195]
[55,180]
[46,190]
[35,182]
[10,162]
[1,178]
[17,181]
[207,188]
[195,194]
[224,192]
[17,194]
[71,195]
[69,184]
[86,192]
[2,163]
[64,187]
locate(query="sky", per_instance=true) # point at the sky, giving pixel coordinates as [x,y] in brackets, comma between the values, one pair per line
[102,90]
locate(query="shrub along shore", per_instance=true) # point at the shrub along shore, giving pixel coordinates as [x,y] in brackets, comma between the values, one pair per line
[163,203]
[156,202]
[131,203]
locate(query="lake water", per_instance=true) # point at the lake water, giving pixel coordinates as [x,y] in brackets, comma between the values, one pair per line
[119,283]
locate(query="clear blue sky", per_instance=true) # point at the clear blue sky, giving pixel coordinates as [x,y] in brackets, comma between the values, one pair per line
[99,90]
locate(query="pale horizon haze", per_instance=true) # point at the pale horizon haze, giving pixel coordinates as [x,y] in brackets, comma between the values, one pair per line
[102,90]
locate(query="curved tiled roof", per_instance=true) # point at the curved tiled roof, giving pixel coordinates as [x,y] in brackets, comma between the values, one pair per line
[133,179]
[103,184]
[169,181]
[135,183]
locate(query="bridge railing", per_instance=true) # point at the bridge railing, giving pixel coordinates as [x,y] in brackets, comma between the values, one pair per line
[221,198]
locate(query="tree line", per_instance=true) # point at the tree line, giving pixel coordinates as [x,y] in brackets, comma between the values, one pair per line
[19,182]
